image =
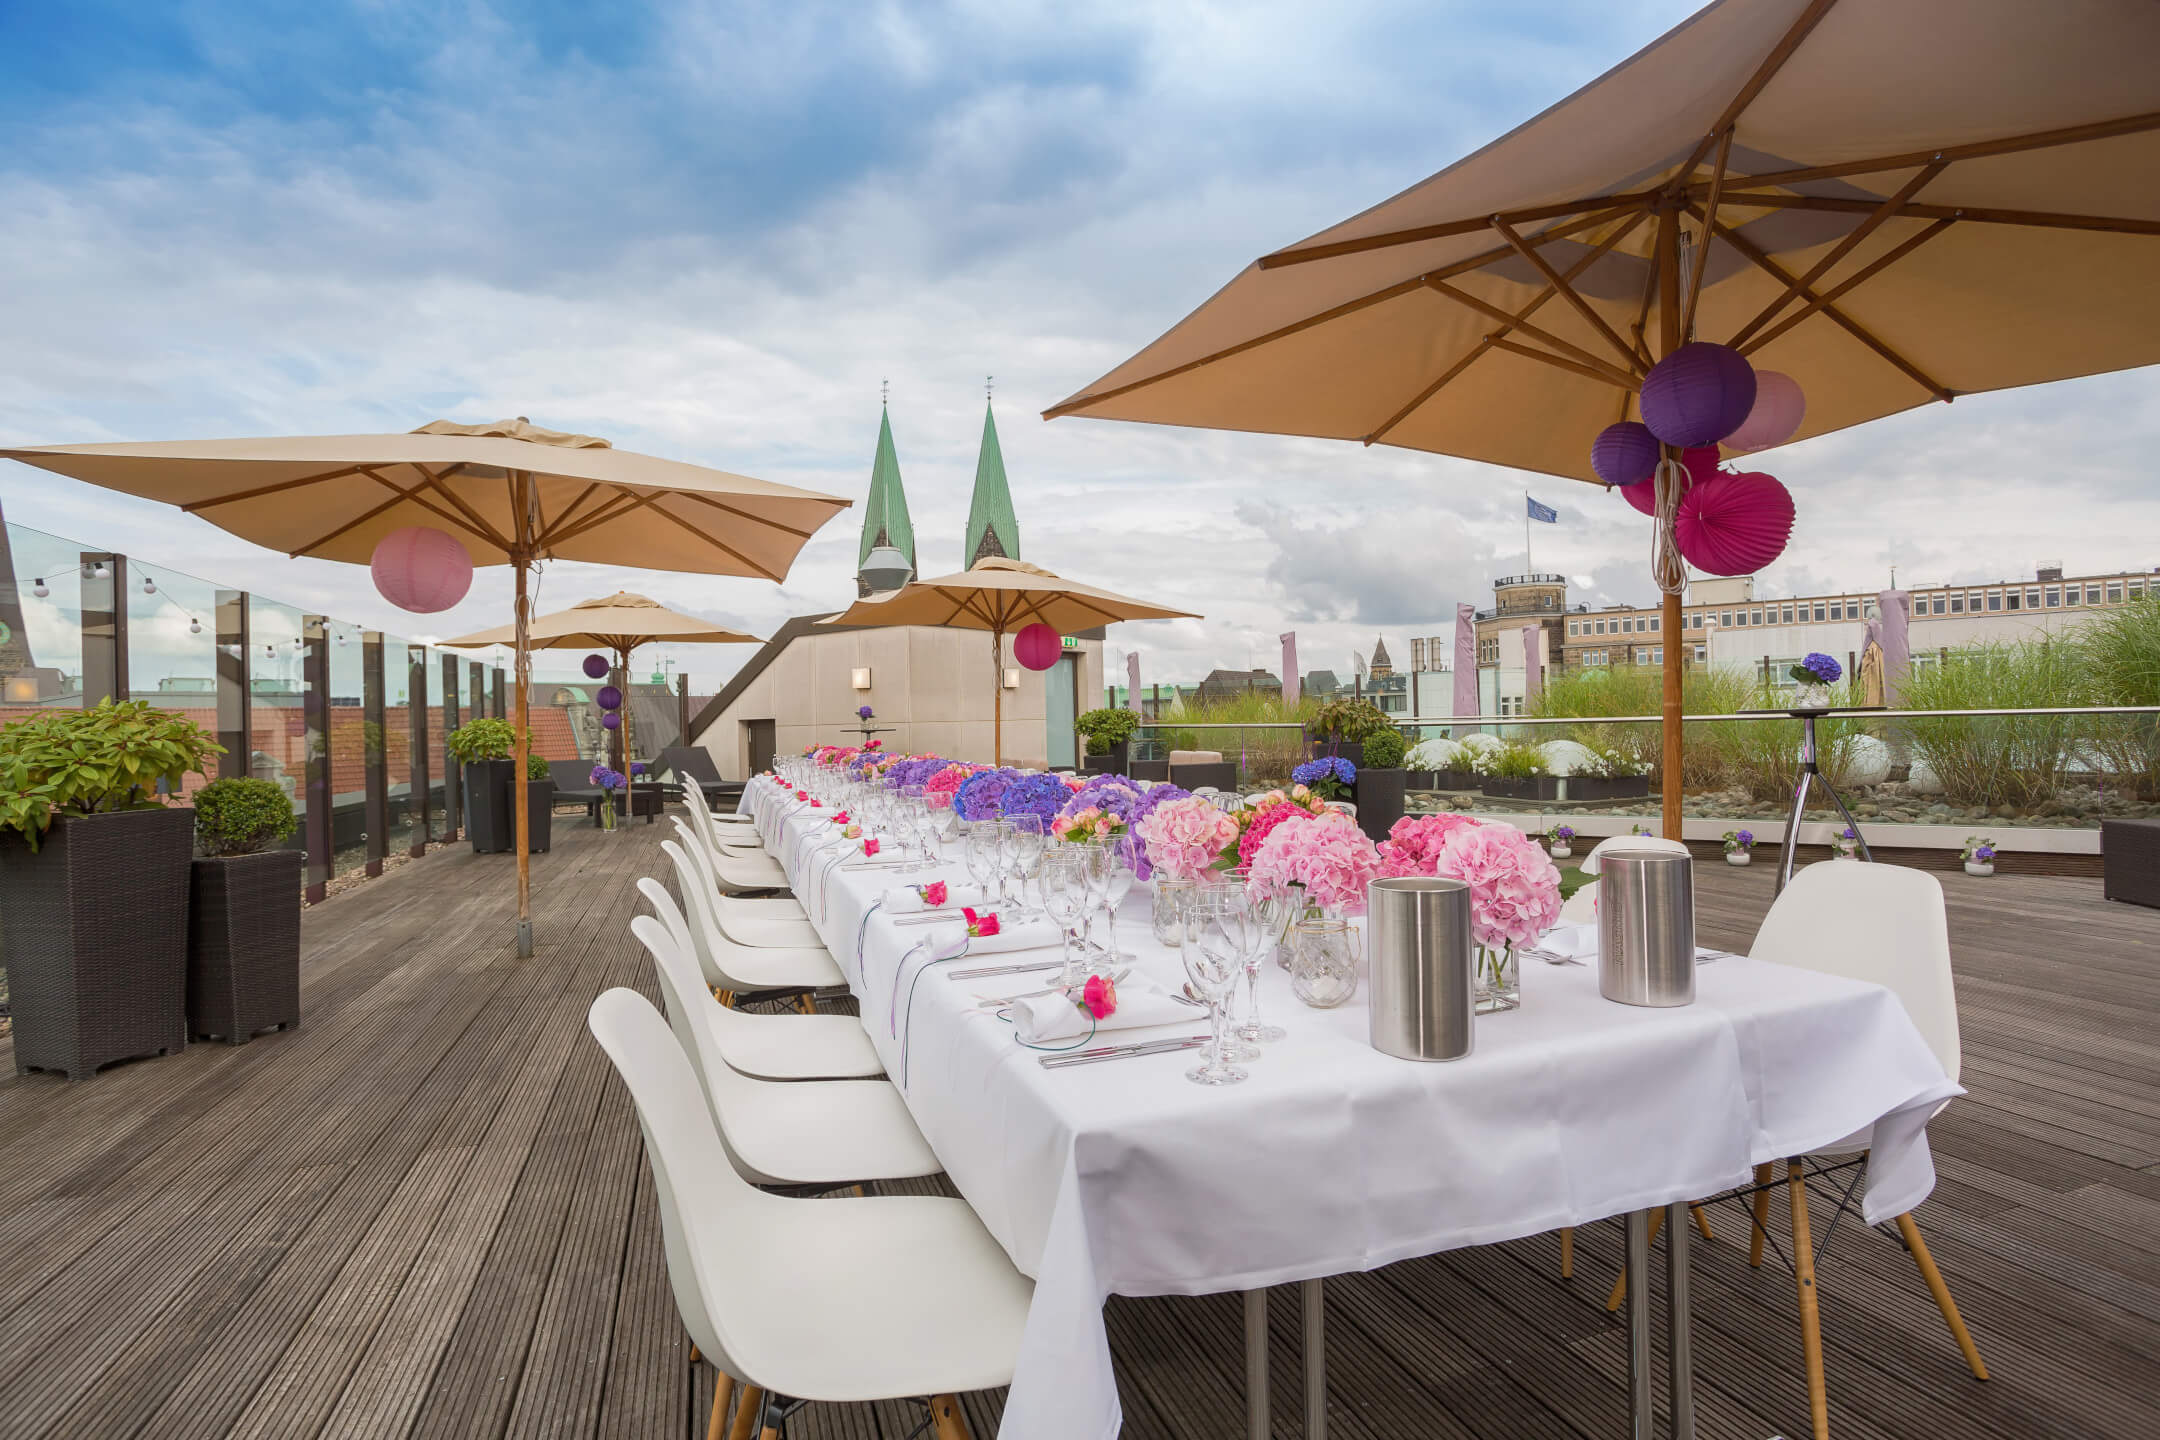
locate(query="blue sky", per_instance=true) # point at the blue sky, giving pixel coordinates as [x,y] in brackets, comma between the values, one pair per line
[710,231]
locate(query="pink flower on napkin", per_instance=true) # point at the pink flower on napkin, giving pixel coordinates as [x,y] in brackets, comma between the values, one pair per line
[932,894]
[980,924]
[840,817]
[1099,997]
[869,848]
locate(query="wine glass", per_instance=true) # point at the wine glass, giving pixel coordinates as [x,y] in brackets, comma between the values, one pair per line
[1064,893]
[1025,851]
[979,848]
[1262,918]
[1109,881]
[1213,957]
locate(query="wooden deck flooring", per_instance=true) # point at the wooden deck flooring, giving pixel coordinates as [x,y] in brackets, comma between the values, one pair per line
[425,1213]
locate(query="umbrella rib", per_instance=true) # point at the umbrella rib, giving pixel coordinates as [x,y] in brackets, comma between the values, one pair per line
[1535,332]
[1873,267]
[1531,353]
[196,506]
[1764,262]
[753,519]
[1791,41]
[396,496]
[1839,251]
[1978,150]
[1581,306]
[562,516]
[1987,215]
[457,502]
[1305,254]
[713,540]
[622,502]
[1702,251]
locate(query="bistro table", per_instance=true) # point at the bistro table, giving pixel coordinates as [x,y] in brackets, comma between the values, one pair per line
[1122,1178]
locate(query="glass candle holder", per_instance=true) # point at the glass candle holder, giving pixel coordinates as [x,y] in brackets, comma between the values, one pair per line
[1323,962]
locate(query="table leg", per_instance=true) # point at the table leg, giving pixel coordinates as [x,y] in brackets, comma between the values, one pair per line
[1256,1356]
[1679,1343]
[1638,1312]
[1315,1363]
[1788,851]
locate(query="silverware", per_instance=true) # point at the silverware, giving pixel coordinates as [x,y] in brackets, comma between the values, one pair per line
[1122,1052]
[928,919]
[1704,955]
[983,972]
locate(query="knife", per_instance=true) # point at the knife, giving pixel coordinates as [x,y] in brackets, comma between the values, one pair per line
[989,970]
[1121,1052]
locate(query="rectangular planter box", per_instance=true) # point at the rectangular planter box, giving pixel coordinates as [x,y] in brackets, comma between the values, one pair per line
[1528,787]
[1378,795]
[1443,779]
[1111,764]
[243,967]
[540,813]
[1599,787]
[1351,750]
[96,930]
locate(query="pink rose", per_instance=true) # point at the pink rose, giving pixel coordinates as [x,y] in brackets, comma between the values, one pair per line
[869,848]
[1099,999]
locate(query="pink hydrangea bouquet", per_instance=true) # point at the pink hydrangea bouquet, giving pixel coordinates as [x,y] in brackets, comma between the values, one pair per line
[1184,837]
[1514,886]
[1325,857]
[1414,843]
[1089,823]
[939,787]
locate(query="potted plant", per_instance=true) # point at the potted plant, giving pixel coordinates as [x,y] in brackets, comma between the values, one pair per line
[1979,856]
[1739,847]
[1330,777]
[1108,734]
[612,783]
[1382,783]
[243,959]
[94,883]
[1608,774]
[1815,674]
[540,803]
[1516,771]
[1560,841]
[1847,844]
[483,747]
[1341,727]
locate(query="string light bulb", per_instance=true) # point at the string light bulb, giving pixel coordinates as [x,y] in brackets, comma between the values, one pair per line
[39,588]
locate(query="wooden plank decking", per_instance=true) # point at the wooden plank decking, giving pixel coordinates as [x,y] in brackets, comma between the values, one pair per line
[425,1213]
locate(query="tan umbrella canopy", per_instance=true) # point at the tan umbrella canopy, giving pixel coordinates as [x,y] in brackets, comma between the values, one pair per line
[1002,596]
[1891,201]
[511,492]
[619,623]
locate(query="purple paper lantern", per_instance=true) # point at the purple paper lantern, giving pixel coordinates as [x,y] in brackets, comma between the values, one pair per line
[611,720]
[1698,395]
[609,697]
[1625,453]
[595,666]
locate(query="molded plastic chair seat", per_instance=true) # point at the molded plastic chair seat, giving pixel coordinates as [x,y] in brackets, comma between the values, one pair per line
[731,965]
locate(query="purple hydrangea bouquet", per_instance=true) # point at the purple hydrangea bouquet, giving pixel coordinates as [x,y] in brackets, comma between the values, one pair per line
[1330,777]
[1979,855]
[1738,846]
[1815,674]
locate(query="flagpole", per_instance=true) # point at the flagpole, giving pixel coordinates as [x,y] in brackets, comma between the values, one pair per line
[1528,567]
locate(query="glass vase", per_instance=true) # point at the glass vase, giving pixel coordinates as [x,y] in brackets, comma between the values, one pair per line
[1499,979]
[1301,913]
[1323,962]
[1171,898]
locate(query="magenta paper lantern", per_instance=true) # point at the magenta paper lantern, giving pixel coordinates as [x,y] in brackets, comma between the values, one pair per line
[1734,524]
[595,666]
[609,697]
[1698,395]
[1038,646]
[421,569]
[611,720]
[1701,464]
[1779,409]
[1625,453]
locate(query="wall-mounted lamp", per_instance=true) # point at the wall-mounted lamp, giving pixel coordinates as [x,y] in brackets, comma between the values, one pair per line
[859,677]
[1012,679]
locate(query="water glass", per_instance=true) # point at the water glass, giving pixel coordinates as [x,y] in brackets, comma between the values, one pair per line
[1264,918]
[980,849]
[1025,851]
[1170,897]
[1213,958]
[1064,893]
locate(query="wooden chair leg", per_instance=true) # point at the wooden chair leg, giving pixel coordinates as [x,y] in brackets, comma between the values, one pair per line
[1811,1355]
[1941,1292]
[1762,1215]
[723,1390]
[1619,1288]
[1567,1252]
[1702,1221]
[946,1417]
[807,1003]
[748,1411]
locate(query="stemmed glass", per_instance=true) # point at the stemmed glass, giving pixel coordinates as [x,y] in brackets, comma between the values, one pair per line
[1108,883]
[1065,898]
[1024,851]
[1262,920]
[1213,955]
[980,849]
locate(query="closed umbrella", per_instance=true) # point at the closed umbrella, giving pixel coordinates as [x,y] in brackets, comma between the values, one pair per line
[1893,202]
[1001,596]
[511,492]
[618,623]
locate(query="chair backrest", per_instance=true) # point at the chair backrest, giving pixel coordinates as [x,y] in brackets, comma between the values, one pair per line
[1196,757]
[1216,774]
[671,915]
[695,1017]
[705,1206]
[1580,908]
[1882,923]
[704,926]
[1590,862]
[691,762]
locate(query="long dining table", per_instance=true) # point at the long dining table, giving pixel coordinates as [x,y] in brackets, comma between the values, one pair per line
[1333,1157]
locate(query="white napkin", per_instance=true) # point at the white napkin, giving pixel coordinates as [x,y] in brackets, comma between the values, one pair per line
[1012,935]
[1571,942]
[1046,1019]
[907,899]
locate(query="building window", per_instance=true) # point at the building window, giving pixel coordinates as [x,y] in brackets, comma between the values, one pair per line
[1957,604]
[1702,654]
[1574,627]
[1994,599]
[2114,592]
[2032,598]
[1972,600]
[1786,616]
[1657,654]
[1655,622]
[2011,599]
[1758,617]
[2054,599]
[2137,590]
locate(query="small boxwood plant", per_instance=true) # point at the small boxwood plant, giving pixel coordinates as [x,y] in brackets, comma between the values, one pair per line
[110,756]
[1384,749]
[1106,729]
[239,816]
[536,768]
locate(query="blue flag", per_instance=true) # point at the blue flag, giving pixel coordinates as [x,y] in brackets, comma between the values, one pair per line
[1542,512]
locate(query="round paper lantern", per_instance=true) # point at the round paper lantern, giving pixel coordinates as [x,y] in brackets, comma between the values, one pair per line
[1734,524]
[1038,646]
[1698,395]
[1779,409]
[1701,464]
[609,697]
[421,569]
[1624,454]
[595,666]
[611,720]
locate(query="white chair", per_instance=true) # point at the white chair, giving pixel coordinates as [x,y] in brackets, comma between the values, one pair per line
[733,838]
[771,1047]
[1581,907]
[737,869]
[815,1132]
[1885,924]
[751,920]
[891,1297]
[746,970]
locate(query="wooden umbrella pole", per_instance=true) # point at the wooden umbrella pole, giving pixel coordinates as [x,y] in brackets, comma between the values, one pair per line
[521,817]
[997,697]
[622,658]
[1670,338]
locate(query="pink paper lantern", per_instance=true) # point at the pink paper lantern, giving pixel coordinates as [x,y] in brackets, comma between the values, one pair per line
[1734,524]
[1779,409]
[421,569]
[1701,464]
[1698,395]
[1625,453]
[1038,646]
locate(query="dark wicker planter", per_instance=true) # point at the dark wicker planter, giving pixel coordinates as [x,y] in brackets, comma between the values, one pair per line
[1526,787]
[1351,750]
[1148,769]
[487,807]
[1378,795]
[540,813]
[95,924]
[1443,779]
[2130,861]
[243,965]
[1113,763]
[1600,787]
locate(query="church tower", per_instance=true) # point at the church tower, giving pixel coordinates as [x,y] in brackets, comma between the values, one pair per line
[885,524]
[1382,666]
[991,528]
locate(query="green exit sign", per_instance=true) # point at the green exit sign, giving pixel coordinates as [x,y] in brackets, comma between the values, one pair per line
[1072,642]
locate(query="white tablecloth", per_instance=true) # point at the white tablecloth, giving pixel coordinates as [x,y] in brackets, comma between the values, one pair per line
[1124,1178]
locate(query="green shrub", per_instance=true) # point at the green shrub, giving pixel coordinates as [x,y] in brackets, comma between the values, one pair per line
[1384,749]
[2121,651]
[1350,721]
[484,739]
[240,817]
[1106,729]
[1998,759]
[112,756]
[1514,760]
[536,768]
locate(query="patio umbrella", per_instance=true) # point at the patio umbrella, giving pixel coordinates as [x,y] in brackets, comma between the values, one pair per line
[1890,201]
[511,492]
[1001,596]
[619,623]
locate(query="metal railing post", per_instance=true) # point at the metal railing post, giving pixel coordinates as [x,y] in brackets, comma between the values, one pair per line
[235,690]
[315,749]
[453,782]
[104,627]
[374,750]
[419,803]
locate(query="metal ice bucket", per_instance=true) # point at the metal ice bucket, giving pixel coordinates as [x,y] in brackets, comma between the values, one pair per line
[1646,927]
[1419,959]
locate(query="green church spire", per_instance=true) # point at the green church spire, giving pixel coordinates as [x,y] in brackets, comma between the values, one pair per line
[885,513]
[991,528]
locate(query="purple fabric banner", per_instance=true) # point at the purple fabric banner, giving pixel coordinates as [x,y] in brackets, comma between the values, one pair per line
[1533,679]
[1466,696]
[1895,607]
[1132,682]
[1290,686]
